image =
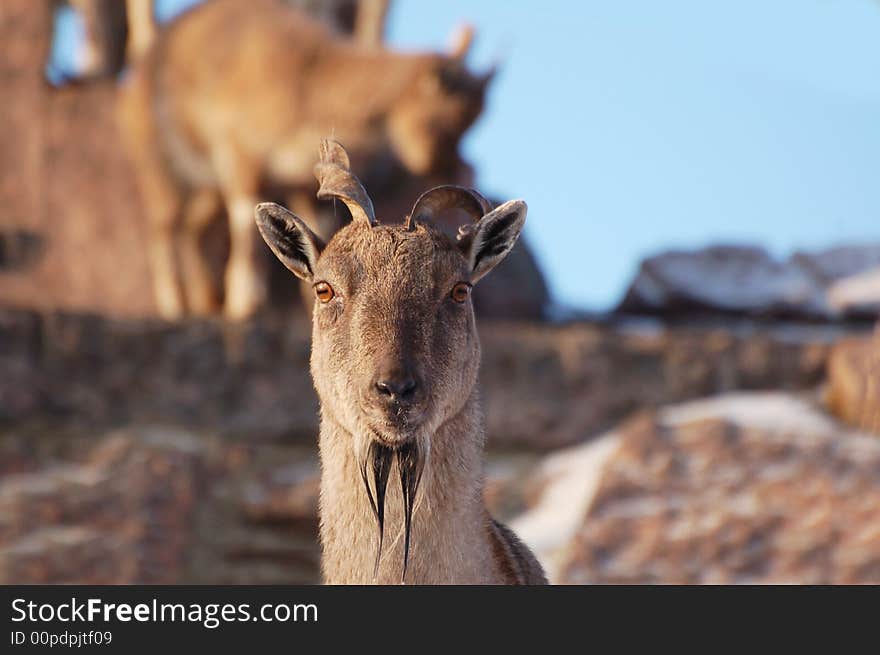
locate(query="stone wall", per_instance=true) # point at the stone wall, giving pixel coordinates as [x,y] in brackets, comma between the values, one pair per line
[544,386]
[157,506]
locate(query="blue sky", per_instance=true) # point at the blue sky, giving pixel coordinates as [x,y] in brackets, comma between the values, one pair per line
[634,126]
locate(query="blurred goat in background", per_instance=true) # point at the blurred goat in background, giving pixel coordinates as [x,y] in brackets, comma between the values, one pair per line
[114,32]
[119,31]
[229,105]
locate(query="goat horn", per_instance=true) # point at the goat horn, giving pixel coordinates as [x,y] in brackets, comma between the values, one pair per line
[447,196]
[460,41]
[337,181]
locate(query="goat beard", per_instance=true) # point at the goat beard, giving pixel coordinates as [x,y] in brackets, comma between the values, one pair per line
[410,464]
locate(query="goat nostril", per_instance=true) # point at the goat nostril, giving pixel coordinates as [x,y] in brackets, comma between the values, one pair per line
[407,387]
[402,389]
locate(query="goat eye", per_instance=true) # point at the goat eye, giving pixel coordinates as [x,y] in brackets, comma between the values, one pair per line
[461,291]
[324,292]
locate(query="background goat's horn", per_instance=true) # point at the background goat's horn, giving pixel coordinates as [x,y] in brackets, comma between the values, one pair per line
[337,181]
[447,196]
[460,41]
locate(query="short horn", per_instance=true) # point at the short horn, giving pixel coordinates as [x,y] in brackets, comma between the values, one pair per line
[447,196]
[460,42]
[337,181]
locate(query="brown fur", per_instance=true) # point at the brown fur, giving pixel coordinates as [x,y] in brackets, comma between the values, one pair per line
[234,97]
[114,31]
[392,317]
[514,559]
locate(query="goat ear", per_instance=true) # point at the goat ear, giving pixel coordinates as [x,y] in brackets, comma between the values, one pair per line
[290,238]
[493,236]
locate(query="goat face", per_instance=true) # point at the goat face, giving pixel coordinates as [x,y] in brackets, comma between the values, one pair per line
[427,122]
[394,346]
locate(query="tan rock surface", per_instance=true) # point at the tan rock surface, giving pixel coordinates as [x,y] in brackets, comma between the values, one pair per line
[741,488]
[544,386]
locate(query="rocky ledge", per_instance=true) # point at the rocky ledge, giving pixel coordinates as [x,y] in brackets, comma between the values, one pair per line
[544,386]
[826,285]
[740,488]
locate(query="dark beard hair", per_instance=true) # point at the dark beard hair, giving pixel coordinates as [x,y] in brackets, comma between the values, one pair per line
[409,466]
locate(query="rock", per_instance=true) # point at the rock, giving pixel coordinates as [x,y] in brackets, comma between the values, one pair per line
[67,555]
[854,382]
[838,263]
[722,278]
[25,34]
[515,290]
[831,284]
[163,506]
[124,515]
[740,488]
[507,472]
[849,277]
[158,506]
[544,386]
[547,387]
[289,494]
[856,295]
[563,486]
